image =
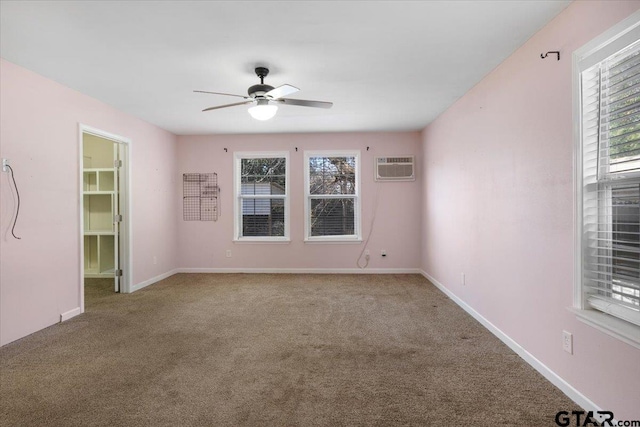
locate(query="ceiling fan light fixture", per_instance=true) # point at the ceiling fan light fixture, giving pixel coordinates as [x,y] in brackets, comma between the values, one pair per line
[263,111]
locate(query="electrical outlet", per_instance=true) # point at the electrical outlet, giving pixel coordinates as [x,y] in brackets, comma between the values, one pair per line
[228,254]
[463,279]
[383,252]
[5,163]
[567,342]
[367,254]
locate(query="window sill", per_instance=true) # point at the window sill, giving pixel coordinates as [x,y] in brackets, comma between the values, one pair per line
[619,329]
[334,241]
[263,241]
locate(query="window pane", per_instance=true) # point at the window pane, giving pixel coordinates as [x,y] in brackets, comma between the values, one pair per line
[332,217]
[262,217]
[263,176]
[261,188]
[332,175]
[620,110]
[626,244]
[623,133]
[611,187]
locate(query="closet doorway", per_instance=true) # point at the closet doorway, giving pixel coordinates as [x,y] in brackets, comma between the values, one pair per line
[104,211]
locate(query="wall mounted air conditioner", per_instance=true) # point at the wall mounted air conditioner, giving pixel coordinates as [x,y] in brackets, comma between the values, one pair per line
[395,168]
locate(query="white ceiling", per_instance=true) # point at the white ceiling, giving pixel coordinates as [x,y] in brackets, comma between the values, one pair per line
[390,66]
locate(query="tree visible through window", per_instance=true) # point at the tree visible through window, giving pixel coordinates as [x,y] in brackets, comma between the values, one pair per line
[262,193]
[332,196]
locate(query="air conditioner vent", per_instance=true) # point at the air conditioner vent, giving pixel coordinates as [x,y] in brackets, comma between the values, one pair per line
[395,168]
[395,159]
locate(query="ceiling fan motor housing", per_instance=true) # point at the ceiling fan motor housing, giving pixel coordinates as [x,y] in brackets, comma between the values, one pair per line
[259,90]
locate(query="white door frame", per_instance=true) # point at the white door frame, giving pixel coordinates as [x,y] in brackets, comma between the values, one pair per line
[124,146]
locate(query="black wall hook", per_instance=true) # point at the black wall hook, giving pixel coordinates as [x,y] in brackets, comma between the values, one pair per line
[544,55]
[225,150]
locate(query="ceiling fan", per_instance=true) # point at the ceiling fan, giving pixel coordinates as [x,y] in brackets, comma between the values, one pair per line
[265,98]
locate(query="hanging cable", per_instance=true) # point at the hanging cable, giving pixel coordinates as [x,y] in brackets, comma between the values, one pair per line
[366,242]
[15,218]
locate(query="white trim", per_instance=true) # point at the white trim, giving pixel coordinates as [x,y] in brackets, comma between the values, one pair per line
[610,325]
[80,255]
[578,301]
[357,238]
[597,50]
[609,42]
[546,372]
[102,134]
[237,200]
[155,279]
[333,241]
[124,144]
[127,225]
[264,240]
[302,270]
[69,314]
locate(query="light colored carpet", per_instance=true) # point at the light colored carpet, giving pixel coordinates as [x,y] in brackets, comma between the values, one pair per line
[272,350]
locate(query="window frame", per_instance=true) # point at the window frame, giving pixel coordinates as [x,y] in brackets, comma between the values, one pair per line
[238,156]
[352,238]
[608,43]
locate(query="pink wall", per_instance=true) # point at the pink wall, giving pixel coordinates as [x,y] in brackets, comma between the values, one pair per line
[203,244]
[494,199]
[498,206]
[39,275]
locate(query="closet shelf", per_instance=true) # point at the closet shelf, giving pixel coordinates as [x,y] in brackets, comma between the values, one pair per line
[100,191]
[98,181]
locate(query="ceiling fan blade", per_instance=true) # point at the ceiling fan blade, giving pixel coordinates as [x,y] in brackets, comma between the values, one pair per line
[281,91]
[305,103]
[227,105]
[220,93]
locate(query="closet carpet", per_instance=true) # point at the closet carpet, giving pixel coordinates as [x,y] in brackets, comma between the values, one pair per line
[271,350]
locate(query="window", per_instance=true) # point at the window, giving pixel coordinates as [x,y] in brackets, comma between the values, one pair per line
[609,178]
[332,205]
[262,196]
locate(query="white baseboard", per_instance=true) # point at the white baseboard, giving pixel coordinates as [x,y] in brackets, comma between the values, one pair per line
[303,270]
[153,280]
[69,314]
[553,378]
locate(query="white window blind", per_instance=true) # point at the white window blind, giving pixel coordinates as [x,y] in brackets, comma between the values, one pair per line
[333,205]
[610,92]
[261,191]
